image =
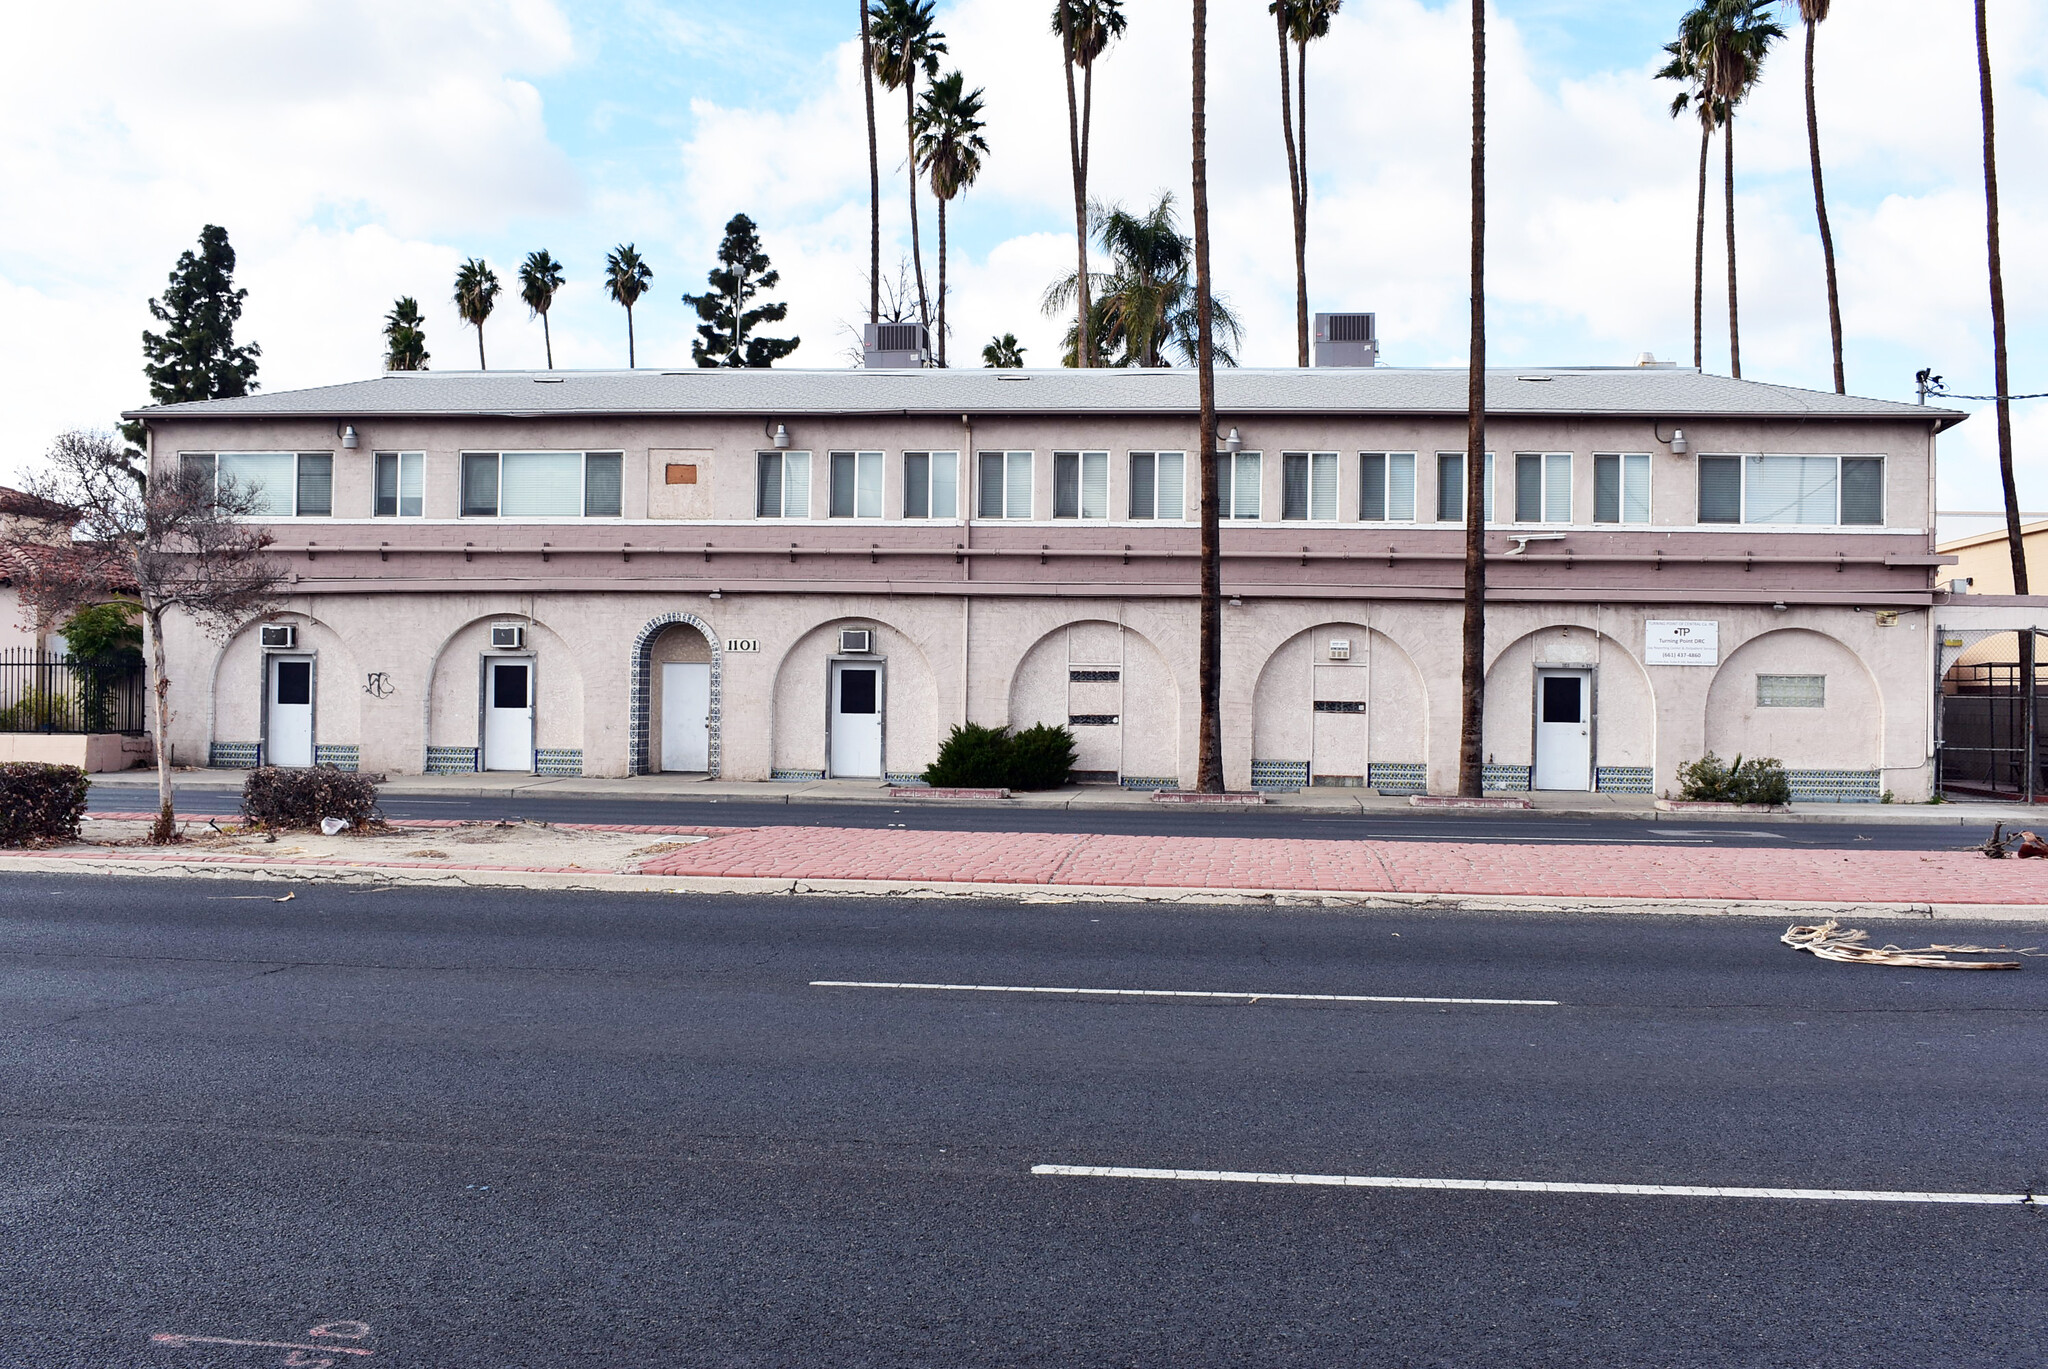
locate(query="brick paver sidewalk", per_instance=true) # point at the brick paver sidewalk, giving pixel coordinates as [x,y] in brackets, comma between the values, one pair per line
[1554,871]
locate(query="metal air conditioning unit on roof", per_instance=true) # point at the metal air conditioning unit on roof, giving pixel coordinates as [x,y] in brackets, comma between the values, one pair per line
[1347,340]
[279,637]
[895,346]
[856,641]
[508,636]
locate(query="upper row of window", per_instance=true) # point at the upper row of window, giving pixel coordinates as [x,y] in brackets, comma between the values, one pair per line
[1819,490]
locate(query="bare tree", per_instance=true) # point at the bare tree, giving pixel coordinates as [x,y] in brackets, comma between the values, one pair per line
[179,545]
[1472,731]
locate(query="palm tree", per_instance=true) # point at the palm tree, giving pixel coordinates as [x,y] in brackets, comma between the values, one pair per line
[867,90]
[1815,13]
[476,292]
[1209,656]
[405,337]
[1685,67]
[2002,387]
[1085,29]
[1472,681]
[625,280]
[1299,21]
[539,277]
[905,42]
[1143,310]
[1003,353]
[1730,39]
[949,147]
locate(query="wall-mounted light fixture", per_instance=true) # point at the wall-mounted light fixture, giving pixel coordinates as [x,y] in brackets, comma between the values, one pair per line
[718,594]
[1233,443]
[1679,446]
[1779,607]
[1236,601]
[779,435]
[349,439]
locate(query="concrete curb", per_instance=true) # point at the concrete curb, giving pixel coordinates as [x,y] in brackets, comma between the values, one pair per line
[569,881]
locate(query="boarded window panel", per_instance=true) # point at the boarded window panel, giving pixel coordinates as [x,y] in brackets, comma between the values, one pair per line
[1401,487]
[604,480]
[1144,485]
[1294,485]
[479,484]
[316,485]
[796,484]
[540,485]
[1372,487]
[268,480]
[1322,486]
[1790,489]
[768,485]
[917,485]
[1720,489]
[1606,489]
[1095,484]
[1635,488]
[1528,488]
[1066,484]
[1017,485]
[1173,485]
[989,500]
[1557,487]
[1863,490]
[945,484]
[1792,691]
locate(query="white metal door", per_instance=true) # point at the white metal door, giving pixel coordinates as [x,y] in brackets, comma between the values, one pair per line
[508,714]
[289,730]
[856,720]
[686,717]
[1564,729]
[1339,723]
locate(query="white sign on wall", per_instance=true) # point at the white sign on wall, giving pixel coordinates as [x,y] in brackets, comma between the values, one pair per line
[1677,643]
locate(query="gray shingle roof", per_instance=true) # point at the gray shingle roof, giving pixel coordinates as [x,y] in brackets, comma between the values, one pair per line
[1636,391]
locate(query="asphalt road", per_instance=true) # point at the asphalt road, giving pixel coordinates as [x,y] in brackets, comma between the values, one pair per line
[1257,822]
[510,1129]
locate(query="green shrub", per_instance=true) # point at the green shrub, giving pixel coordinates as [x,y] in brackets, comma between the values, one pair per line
[1712,780]
[1041,757]
[40,802]
[289,799]
[39,710]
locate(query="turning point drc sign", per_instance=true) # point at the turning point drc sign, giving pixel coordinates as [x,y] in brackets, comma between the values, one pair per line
[1682,643]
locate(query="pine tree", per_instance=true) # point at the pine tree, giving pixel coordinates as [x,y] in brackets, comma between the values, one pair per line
[195,357]
[725,338]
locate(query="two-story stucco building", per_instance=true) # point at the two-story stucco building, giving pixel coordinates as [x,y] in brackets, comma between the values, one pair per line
[756,574]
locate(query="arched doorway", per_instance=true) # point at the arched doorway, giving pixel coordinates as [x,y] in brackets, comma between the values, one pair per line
[675,639]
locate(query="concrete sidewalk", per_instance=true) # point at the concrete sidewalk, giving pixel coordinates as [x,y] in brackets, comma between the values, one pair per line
[123,790]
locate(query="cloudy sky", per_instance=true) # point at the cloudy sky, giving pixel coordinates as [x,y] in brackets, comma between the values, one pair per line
[358,152]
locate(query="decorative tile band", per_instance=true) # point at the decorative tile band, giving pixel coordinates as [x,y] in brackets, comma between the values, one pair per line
[347,758]
[1508,777]
[1397,777]
[451,760]
[235,755]
[1836,786]
[566,764]
[795,776]
[910,779]
[1144,782]
[1626,779]
[641,689]
[1280,775]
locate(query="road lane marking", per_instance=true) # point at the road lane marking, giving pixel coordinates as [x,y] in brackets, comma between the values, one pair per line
[1190,993]
[172,1338]
[1840,1195]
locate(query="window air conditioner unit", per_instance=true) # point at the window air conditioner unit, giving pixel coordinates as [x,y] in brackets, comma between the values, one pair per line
[856,640]
[280,637]
[507,636]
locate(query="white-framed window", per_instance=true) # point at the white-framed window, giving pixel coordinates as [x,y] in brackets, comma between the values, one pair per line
[782,485]
[1158,485]
[1004,489]
[1237,485]
[931,484]
[1080,484]
[1791,691]
[1621,488]
[1450,488]
[856,485]
[1772,488]
[1386,487]
[1543,487]
[1308,486]
[401,485]
[280,484]
[542,484]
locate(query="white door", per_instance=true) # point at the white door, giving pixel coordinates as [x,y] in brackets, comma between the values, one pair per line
[508,715]
[1339,724]
[289,734]
[1564,729]
[856,720]
[686,717]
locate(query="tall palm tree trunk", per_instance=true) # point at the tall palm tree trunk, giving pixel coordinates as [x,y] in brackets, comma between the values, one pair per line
[1209,667]
[1084,352]
[1734,300]
[1699,259]
[1820,210]
[480,364]
[2001,386]
[632,362]
[1472,675]
[924,304]
[942,280]
[547,337]
[1293,191]
[1301,203]
[867,85]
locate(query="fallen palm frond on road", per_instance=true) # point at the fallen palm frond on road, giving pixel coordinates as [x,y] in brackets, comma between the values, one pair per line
[1830,940]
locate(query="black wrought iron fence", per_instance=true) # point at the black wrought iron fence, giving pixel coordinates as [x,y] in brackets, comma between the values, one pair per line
[44,693]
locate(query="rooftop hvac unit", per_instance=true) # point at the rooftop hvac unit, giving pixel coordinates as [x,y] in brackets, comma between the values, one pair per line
[1347,340]
[280,637]
[507,636]
[856,641]
[896,346]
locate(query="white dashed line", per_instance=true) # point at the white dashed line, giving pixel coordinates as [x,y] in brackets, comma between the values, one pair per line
[1190,993]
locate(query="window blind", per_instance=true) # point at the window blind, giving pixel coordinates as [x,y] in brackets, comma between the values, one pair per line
[917,485]
[268,480]
[1244,485]
[1557,487]
[540,485]
[1172,485]
[1450,487]
[1095,484]
[1606,489]
[316,485]
[1322,486]
[604,478]
[1528,488]
[1372,487]
[1066,484]
[1790,489]
[1863,490]
[945,485]
[479,484]
[839,497]
[1293,485]
[1635,487]
[1720,489]
[989,495]
[1144,485]
[796,484]
[768,485]
[1017,485]
[1401,487]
